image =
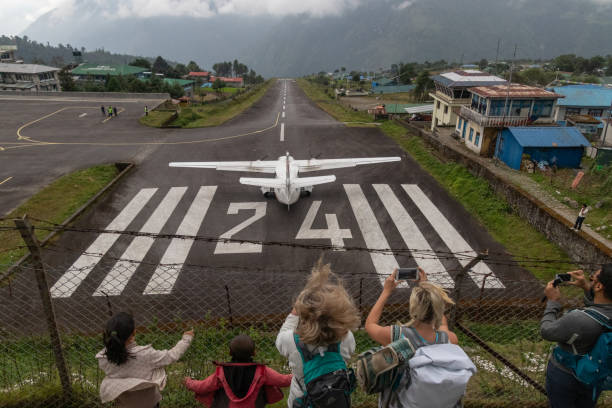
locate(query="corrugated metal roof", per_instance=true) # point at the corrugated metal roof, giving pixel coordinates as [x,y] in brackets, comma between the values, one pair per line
[582,119]
[548,136]
[400,107]
[585,95]
[26,68]
[467,78]
[199,73]
[112,70]
[420,109]
[515,91]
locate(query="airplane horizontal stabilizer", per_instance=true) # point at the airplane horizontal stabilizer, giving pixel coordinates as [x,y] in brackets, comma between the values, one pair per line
[311,181]
[262,182]
[327,164]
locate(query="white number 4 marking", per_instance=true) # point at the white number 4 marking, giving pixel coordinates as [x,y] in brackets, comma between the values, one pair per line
[238,247]
[333,231]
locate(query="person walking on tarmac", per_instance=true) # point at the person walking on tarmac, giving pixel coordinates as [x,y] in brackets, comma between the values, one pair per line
[115,110]
[103,110]
[110,111]
[146,110]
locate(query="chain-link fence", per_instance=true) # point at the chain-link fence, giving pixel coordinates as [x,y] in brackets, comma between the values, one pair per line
[498,326]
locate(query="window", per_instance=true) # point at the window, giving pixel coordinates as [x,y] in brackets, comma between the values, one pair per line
[471,134]
[497,107]
[520,106]
[477,138]
[459,123]
[571,111]
[438,105]
[596,112]
[544,108]
[445,109]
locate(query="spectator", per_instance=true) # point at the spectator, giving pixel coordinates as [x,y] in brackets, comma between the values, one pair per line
[110,111]
[146,110]
[241,383]
[323,315]
[115,111]
[135,374]
[575,332]
[103,111]
[581,216]
[427,326]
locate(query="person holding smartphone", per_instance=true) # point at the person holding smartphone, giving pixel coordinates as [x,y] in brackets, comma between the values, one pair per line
[575,332]
[427,324]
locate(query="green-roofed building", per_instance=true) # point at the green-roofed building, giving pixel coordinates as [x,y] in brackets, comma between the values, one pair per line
[100,72]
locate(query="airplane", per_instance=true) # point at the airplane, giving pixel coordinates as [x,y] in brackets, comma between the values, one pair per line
[286,186]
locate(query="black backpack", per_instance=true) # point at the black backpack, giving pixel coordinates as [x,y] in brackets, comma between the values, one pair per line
[329,383]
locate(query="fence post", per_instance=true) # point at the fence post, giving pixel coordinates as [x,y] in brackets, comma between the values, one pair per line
[229,306]
[27,233]
[456,295]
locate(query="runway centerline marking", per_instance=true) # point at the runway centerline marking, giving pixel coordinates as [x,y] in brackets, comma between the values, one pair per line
[283,116]
[5,180]
[164,277]
[83,114]
[451,237]
[282,132]
[74,276]
[374,238]
[117,279]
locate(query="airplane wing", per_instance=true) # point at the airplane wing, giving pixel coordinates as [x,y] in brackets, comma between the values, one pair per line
[262,182]
[257,166]
[326,164]
[312,181]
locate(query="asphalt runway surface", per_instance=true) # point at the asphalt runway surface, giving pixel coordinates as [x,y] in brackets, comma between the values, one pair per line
[373,207]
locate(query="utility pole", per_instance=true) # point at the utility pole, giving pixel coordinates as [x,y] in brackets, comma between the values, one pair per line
[497,56]
[27,233]
[605,132]
[456,295]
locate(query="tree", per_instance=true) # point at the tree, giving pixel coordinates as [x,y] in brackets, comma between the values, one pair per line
[483,63]
[180,70]
[355,76]
[406,73]
[113,85]
[161,66]
[193,67]
[141,62]
[66,82]
[343,69]
[565,62]
[218,84]
[423,83]
[57,61]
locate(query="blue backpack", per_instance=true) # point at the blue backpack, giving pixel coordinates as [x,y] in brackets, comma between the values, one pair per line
[595,367]
[329,382]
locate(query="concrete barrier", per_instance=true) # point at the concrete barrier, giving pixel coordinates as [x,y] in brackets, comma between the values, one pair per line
[581,247]
[103,95]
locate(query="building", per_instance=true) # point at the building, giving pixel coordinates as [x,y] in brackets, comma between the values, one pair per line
[185,84]
[386,89]
[7,53]
[495,107]
[96,72]
[560,146]
[230,82]
[587,99]
[202,75]
[586,124]
[28,77]
[452,92]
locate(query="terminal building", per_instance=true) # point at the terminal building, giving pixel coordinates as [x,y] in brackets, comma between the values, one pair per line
[28,77]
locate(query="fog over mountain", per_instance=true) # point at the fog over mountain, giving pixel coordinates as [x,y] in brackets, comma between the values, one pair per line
[357,34]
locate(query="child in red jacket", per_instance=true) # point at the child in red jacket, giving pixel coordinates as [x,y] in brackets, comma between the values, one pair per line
[240,383]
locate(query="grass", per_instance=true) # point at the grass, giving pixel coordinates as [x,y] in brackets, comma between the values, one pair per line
[475,194]
[595,187]
[156,118]
[211,114]
[54,203]
[227,89]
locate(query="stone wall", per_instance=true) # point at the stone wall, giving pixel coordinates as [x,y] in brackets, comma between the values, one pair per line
[581,247]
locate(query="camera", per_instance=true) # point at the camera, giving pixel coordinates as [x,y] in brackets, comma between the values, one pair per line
[561,277]
[406,274]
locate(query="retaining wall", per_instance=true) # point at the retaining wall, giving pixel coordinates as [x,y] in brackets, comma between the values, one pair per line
[581,247]
[111,95]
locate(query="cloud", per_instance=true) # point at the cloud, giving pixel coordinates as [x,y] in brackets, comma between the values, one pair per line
[17,15]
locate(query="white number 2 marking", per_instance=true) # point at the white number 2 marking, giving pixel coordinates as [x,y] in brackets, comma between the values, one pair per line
[333,231]
[237,247]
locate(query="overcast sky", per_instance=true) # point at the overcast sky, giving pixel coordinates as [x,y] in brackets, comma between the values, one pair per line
[16,15]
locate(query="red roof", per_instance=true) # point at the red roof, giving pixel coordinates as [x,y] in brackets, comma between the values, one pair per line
[515,91]
[199,74]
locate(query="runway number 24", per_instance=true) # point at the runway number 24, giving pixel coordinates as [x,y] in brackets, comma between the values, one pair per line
[333,232]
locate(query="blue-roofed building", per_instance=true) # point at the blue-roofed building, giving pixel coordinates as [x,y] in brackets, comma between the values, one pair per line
[560,146]
[588,99]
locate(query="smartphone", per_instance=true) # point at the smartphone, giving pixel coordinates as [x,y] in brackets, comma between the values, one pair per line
[406,274]
[564,277]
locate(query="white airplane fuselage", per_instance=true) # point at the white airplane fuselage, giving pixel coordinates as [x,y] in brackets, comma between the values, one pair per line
[286,172]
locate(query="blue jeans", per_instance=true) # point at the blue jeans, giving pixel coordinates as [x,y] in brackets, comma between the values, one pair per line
[565,391]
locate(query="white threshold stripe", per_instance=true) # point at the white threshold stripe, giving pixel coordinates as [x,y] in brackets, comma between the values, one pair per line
[80,269]
[451,237]
[282,132]
[413,238]
[119,276]
[384,263]
[164,277]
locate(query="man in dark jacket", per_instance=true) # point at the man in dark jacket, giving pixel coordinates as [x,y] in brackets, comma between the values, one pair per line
[575,332]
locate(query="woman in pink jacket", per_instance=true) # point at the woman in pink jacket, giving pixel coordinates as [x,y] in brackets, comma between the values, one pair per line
[240,383]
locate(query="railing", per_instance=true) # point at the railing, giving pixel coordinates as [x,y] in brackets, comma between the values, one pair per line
[492,121]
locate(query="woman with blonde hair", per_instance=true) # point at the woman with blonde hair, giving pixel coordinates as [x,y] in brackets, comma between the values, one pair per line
[323,315]
[427,325]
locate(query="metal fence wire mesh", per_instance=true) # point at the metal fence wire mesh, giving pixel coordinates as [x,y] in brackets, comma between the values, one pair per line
[497,327]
